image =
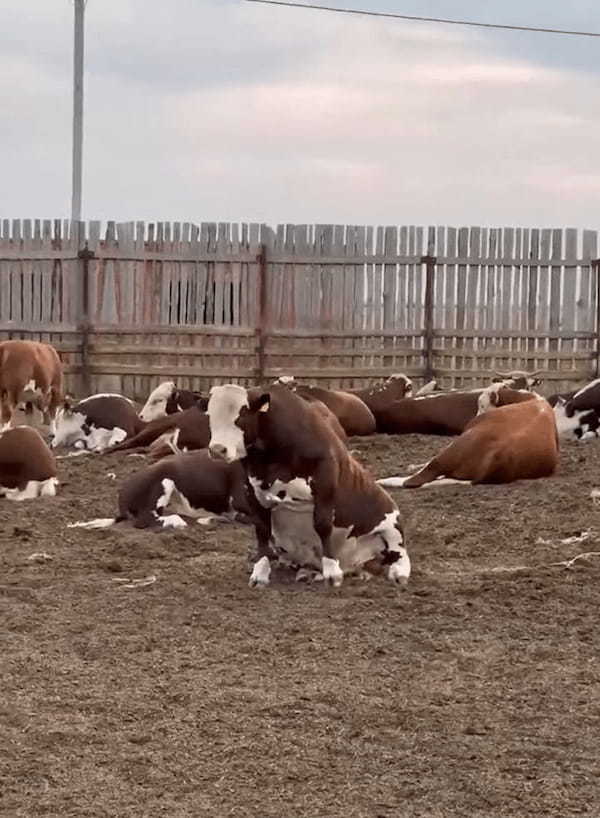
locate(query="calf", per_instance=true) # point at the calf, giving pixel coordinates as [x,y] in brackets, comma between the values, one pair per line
[167,399]
[30,373]
[577,412]
[186,484]
[95,423]
[276,430]
[353,414]
[512,438]
[27,466]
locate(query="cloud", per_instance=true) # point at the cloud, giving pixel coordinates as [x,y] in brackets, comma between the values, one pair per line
[222,111]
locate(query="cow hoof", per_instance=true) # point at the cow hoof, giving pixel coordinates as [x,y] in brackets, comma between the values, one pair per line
[173,521]
[332,573]
[260,573]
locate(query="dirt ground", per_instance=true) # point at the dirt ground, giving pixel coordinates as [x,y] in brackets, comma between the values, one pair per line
[474,692]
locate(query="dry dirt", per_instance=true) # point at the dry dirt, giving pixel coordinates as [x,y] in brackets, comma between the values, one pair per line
[474,692]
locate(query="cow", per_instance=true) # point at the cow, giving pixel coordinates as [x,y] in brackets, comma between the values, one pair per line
[96,423]
[276,429]
[187,485]
[193,434]
[27,466]
[353,414]
[513,437]
[382,394]
[30,373]
[519,379]
[578,411]
[167,399]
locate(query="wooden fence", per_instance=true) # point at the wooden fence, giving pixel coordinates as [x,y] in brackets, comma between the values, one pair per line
[134,304]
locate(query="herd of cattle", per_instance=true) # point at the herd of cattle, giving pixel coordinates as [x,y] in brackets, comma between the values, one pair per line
[277,457]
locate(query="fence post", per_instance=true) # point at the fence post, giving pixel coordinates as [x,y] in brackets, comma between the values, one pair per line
[261,329]
[84,256]
[595,265]
[430,262]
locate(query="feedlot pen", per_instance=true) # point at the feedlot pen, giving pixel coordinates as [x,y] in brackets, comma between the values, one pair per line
[474,692]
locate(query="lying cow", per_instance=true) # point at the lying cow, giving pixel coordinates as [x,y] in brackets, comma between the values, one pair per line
[277,430]
[577,412]
[187,484]
[27,466]
[96,423]
[353,414]
[513,437]
[167,399]
[31,374]
[380,395]
[187,430]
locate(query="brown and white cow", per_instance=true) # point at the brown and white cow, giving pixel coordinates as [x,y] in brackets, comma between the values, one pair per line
[353,414]
[167,399]
[513,437]
[186,485]
[27,466]
[187,430]
[276,431]
[30,373]
[96,423]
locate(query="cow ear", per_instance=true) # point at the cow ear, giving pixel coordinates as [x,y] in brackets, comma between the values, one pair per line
[202,403]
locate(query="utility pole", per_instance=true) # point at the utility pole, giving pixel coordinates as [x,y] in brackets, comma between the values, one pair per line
[77,109]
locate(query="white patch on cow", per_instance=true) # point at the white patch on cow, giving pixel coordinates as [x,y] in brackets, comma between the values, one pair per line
[297,490]
[565,425]
[224,406]
[586,388]
[156,405]
[285,379]
[99,522]
[260,573]
[173,521]
[32,490]
[588,434]
[485,402]
[330,568]
[398,482]
[117,436]
[168,489]
[107,395]
[426,389]
[68,428]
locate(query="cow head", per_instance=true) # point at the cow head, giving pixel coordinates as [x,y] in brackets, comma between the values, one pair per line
[518,379]
[70,427]
[398,386]
[156,405]
[233,414]
[501,394]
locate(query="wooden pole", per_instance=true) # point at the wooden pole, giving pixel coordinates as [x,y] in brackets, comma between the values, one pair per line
[262,311]
[78,45]
[430,262]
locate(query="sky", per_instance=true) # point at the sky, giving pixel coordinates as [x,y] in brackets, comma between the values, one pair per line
[223,110]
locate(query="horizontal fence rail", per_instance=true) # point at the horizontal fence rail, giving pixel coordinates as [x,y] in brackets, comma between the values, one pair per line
[133,303]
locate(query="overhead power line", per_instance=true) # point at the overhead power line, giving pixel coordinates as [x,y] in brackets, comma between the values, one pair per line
[393,15]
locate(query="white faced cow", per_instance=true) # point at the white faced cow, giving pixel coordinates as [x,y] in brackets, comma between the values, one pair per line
[96,423]
[27,466]
[276,433]
[31,374]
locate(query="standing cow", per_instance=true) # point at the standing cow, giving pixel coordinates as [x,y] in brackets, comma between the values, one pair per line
[30,373]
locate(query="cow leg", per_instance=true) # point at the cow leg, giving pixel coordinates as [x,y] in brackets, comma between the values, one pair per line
[323,522]
[7,407]
[430,472]
[261,518]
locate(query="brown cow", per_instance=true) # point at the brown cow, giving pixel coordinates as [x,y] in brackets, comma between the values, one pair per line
[277,432]
[380,395]
[192,423]
[514,437]
[30,373]
[27,466]
[353,414]
[185,484]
